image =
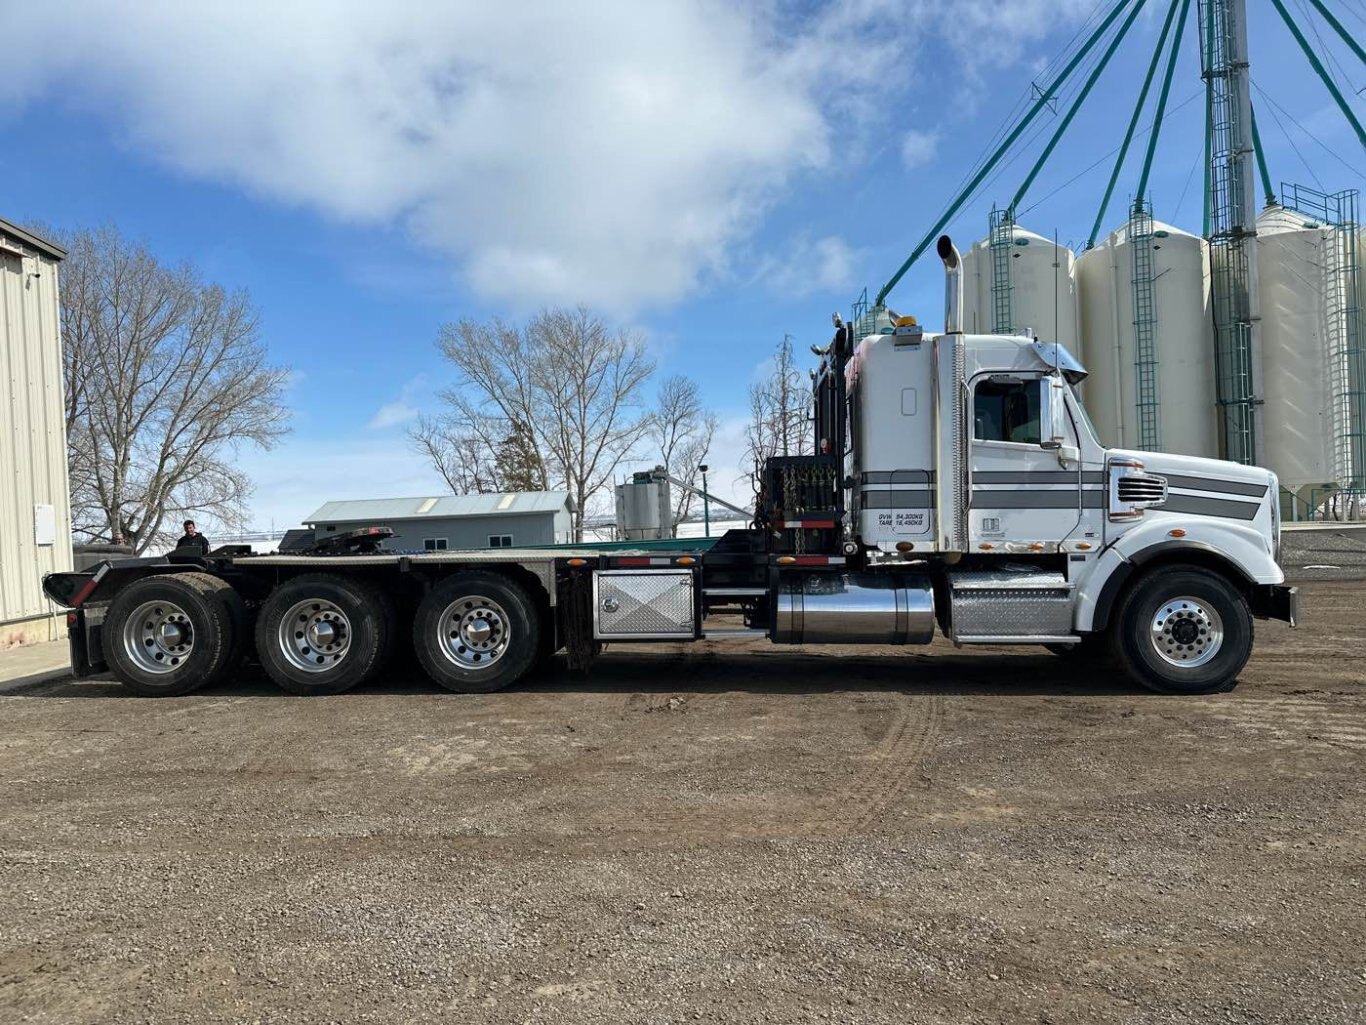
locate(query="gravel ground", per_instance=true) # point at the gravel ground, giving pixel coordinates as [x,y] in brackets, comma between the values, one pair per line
[716,832]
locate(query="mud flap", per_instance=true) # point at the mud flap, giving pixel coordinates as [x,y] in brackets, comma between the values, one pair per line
[1276,601]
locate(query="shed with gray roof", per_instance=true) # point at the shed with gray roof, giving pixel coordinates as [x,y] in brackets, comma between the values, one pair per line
[449,522]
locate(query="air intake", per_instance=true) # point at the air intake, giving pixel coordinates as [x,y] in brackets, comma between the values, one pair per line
[1132,490]
[1145,488]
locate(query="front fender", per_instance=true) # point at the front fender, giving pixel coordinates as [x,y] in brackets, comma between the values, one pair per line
[1247,549]
[1243,550]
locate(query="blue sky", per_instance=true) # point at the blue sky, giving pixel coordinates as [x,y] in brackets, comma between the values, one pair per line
[714,175]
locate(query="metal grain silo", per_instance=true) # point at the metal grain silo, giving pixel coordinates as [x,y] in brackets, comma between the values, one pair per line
[1148,340]
[1298,410]
[1032,294]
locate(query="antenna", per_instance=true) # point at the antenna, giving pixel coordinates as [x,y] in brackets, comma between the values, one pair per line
[1057,282]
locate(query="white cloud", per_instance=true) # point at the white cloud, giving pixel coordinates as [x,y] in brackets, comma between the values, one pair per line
[403,409]
[809,266]
[919,147]
[608,152]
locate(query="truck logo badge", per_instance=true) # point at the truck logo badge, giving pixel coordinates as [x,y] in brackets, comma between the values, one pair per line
[610,605]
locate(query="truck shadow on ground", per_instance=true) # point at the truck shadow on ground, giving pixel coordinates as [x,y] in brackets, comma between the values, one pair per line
[1016,674]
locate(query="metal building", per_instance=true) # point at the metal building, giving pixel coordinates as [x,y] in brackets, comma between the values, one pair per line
[35,508]
[449,522]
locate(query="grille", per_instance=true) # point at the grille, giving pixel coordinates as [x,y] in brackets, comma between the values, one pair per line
[1142,488]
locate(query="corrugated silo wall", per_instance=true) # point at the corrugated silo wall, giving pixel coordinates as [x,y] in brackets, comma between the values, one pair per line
[1182,367]
[32,446]
[1043,298]
[1298,409]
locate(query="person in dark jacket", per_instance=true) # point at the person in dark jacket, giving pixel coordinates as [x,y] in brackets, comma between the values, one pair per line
[193,543]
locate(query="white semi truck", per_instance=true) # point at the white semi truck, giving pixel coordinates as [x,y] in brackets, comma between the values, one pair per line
[956,485]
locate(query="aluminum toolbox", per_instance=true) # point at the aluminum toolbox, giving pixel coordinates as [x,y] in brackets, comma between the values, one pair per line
[1004,604]
[644,605]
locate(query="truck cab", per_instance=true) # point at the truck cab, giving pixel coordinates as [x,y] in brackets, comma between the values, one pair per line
[973,457]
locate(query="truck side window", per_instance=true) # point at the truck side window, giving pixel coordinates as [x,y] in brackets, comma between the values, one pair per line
[1007,411]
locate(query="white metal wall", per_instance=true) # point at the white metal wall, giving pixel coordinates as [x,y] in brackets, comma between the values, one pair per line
[1298,411]
[32,443]
[1184,341]
[1043,297]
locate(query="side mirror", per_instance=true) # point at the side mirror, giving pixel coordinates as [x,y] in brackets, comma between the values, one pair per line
[1056,433]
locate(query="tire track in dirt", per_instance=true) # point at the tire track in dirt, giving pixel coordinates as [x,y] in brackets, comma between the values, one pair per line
[910,738]
[1297,719]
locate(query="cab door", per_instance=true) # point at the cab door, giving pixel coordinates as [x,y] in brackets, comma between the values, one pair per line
[1023,494]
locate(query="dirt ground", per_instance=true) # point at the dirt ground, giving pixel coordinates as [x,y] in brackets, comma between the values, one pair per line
[717,832]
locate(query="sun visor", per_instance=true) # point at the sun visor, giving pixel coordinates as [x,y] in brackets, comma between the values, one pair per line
[1058,358]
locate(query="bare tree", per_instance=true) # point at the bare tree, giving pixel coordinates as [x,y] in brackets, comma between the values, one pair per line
[567,381]
[779,411]
[166,379]
[462,457]
[681,431]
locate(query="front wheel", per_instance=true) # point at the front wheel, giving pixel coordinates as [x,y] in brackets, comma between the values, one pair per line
[477,632]
[1184,630]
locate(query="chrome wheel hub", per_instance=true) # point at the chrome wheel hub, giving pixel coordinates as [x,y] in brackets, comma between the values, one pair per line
[474,632]
[158,637]
[314,635]
[1186,632]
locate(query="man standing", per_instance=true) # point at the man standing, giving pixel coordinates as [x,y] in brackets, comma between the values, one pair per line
[193,543]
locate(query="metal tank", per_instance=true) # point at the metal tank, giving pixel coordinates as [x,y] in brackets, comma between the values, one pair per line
[1298,410]
[1147,340]
[1041,299]
[644,507]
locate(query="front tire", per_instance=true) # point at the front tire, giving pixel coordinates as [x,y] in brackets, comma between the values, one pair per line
[1184,630]
[477,632]
[323,633]
[172,634]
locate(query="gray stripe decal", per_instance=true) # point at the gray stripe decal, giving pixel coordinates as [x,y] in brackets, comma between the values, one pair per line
[1036,477]
[897,500]
[1225,487]
[1209,507]
[1091,498]
[898,477]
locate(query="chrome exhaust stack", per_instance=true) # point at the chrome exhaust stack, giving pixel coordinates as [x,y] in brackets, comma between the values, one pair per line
[953,285]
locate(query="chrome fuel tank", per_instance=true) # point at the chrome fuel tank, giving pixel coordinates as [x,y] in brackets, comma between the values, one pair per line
[854,608]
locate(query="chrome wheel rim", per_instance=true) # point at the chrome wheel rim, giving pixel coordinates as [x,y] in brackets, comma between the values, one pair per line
[158,637]
[474,632]
[1186,632]
[314,635]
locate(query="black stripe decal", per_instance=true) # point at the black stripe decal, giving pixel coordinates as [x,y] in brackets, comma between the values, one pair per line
[1091,498]
[1223,487]
[898,477]
[898,500]
[1036,477]
[1199,506]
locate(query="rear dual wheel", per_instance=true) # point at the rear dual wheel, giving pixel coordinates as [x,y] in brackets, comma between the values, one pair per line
[172,634]
[477,632]
[324,633]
